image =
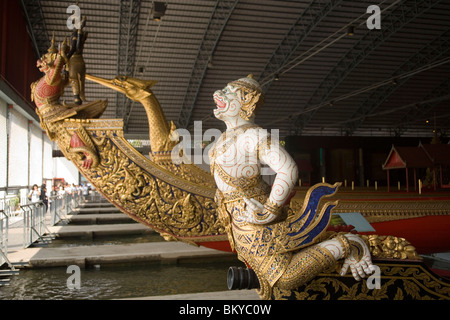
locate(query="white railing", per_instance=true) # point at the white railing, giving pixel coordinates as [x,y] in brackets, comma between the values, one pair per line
[95,196]
[11,206]
[33,222]
[34,215]
[10,203]
[61,206]
[3,237]
[56,209]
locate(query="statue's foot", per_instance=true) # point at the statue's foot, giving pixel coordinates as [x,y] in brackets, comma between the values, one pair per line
[87,162]
[77,100]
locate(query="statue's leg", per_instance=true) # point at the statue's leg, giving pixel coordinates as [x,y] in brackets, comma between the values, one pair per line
[75,90]
[81,80]
[77,72]
[304,266]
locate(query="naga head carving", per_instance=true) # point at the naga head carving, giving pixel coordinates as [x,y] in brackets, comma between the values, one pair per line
[133,88]
[47,61]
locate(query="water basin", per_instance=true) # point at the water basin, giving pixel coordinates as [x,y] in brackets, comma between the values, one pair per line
[119,281]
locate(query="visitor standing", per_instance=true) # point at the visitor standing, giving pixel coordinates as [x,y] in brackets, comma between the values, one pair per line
[53,195]
[61,192]
[43,196]
[68,189]
[85,190]
[34,194]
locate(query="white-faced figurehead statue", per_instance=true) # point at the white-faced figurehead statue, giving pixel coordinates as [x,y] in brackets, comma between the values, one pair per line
[284,248]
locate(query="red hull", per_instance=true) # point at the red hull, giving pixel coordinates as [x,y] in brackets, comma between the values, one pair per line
[218,245]
[430,234]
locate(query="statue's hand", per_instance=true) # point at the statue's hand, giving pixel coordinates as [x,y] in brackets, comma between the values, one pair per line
[359,260]
[256,213]
[64,49]
[254,207]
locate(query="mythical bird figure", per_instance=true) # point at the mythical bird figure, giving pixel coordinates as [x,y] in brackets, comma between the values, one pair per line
[140,91]
[162,133]
[280,245]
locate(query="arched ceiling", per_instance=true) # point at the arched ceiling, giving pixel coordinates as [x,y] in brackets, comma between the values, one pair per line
[380,82]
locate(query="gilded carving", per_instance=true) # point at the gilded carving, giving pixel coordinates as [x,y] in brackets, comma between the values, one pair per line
[391,210]
[163,206]
[399,281]
[390,247]
[388,210]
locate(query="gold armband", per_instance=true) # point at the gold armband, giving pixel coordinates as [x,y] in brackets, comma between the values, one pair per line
[345,244]
[272,207]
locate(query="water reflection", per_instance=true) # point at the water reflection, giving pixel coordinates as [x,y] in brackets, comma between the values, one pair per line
[119,281]
[115,282]
[105,240]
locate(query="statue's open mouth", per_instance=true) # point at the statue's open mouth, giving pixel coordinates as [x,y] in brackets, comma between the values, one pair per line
[41,64]
[219,102]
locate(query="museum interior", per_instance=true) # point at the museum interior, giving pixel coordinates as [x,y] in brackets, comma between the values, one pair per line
[356,92]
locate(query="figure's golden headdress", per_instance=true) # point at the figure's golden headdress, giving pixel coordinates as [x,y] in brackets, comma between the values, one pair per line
[251,95]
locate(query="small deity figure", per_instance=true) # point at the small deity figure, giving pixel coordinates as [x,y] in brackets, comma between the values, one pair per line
[75,64]
[284,248]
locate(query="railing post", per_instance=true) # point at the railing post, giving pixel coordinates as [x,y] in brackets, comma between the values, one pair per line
[51,206]
[3,237]
[66,204]
[26,224]
[4,229]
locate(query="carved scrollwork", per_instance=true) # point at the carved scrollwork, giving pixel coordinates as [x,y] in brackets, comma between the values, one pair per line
[390,247]
[398,281]
[169,209]
[82,149]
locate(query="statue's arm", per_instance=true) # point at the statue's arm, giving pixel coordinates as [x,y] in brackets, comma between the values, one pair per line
[279,160]
[60,61]
[73,46]
[55,73]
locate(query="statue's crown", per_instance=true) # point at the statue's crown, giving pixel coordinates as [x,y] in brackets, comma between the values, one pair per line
[52,48]
[247,83]
[251,95]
